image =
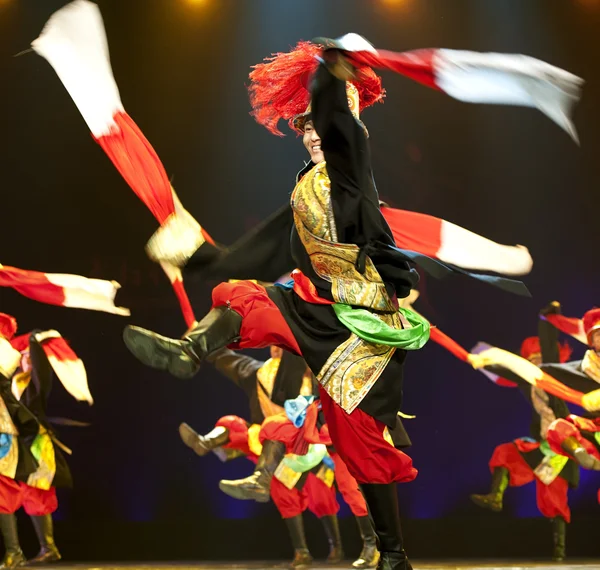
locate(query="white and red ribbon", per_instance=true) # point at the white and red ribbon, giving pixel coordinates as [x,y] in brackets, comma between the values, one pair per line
[63,289]
[493,78]
[455,245]
[569,325]
[67,366]
[74,42]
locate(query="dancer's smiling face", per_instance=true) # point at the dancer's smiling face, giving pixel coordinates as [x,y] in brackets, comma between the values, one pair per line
[26,362]
[312,142]
[276,352]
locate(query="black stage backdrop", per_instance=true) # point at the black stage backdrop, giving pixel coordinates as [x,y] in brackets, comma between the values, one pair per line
[181,66]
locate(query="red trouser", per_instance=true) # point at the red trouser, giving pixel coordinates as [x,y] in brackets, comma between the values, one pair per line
[551,499]
[357,437]
[315,496]
[348,487]
[36,502]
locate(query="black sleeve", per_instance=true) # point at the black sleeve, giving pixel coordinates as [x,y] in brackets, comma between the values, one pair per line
[548,335]
[37,393]
[239,368]
[343,138]
[263,254]
[569,374]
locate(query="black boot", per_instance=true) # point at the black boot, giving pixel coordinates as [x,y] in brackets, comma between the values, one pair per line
[182,358]
[382,501]
[45,533]
[203,444]
[559,534]
[369,555]
[13,556]
[332,530]
[493,500]
[302,556]
[257,486]
[579,453]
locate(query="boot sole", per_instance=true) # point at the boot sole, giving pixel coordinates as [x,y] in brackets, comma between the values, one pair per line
[147,348]
[50,560]
[242,494]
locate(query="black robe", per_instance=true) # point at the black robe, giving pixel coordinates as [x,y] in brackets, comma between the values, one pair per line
[35,397]
[274,247]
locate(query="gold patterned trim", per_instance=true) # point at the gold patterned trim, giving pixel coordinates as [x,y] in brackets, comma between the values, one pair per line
[352,370]
[326,474]
[6,424]
[333,261]
[287,475]
[311,200]
[265,380]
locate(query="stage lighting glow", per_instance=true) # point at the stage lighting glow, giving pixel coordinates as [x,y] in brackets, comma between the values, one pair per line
[396,4]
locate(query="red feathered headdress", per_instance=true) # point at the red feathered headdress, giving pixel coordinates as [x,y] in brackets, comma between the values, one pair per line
[591,323]
[279,86]
[531,346]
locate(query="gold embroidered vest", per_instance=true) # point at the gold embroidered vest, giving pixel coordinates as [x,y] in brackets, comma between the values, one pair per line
[354,367]
[333,261]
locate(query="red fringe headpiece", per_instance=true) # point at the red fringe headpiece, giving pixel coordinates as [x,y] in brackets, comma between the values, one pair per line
[279,86]
[531,346]
[591,323]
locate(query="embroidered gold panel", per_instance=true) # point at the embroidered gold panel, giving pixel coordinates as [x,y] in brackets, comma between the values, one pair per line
[287,475]
[6,423]
[266,378]
[326,474]
[355,366]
